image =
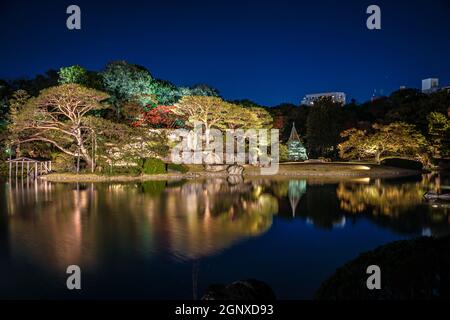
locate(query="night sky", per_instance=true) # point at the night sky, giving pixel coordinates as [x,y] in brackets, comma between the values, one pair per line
[270,52]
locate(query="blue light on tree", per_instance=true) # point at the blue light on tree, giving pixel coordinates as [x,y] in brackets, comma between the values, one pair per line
[296,150]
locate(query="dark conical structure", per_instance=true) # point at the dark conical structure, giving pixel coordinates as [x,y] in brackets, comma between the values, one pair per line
[296,150]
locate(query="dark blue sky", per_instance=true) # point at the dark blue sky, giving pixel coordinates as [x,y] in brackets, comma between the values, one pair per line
[270,52]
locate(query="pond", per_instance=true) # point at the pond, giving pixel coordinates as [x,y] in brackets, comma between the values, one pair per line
[172,239]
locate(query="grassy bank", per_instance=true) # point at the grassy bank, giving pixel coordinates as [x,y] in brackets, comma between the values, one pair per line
[337,169]
[286,170]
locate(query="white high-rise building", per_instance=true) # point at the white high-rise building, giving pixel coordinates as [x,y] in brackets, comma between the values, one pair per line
[430,85]
[310,99]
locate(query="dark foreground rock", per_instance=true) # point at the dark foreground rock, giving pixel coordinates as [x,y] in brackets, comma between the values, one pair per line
[412,269]
[250,290]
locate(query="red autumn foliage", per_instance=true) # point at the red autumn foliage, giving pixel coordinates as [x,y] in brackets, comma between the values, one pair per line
[279,122]
[158,117]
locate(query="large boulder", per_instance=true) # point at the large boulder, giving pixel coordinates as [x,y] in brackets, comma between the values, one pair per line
[215,167]
[235,170]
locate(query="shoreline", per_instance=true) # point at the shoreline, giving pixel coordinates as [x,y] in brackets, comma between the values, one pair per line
[335,171]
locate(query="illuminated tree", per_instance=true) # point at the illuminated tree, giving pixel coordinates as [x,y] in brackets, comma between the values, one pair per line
[279,122]
[395,139]
[259,118]
[73,74]
[127,82]
[165,92]
[120,143]
[17,102]
[211,112]
[199,90]
[296,150]
[356,145]
[158,117]
[58,116]
[439,130]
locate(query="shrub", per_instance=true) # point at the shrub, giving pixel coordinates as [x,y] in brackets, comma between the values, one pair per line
[153,188]
[177,168]
[284,152]
[4,170]
[62,162]
[153,166]
[123,170]
[402,163]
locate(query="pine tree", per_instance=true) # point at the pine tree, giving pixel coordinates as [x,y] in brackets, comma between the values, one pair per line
[296,150]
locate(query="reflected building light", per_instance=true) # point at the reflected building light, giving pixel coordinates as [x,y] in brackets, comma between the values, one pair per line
[426,232]
[340,224]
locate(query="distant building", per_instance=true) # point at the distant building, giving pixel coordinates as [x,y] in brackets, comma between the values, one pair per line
[430,85]
[310,99]
[376,97]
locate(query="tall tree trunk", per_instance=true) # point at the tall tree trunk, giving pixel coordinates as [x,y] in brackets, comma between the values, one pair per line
[82,151]
[377,157]
[86,157]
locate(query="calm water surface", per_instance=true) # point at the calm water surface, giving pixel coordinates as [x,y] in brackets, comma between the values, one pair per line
[170,240]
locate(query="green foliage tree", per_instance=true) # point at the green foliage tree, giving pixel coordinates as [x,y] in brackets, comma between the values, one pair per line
[356,145]
[259,118]
[198,90]
[153,166]
[323,126]
[4,108]
[38,83]
[213,112]
[166,92]
[285,114]
[17,102]
[57,116]
[73,74]
[439,130]
[395,139]
[127,82]
[117,144]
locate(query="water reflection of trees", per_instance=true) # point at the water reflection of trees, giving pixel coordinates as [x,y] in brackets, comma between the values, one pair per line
[396,204]
[382,199]
[60,224]
[201,218]
[45,222]
[314,202]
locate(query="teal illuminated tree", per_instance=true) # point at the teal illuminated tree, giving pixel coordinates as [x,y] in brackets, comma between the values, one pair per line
[296,150]
[297,188]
